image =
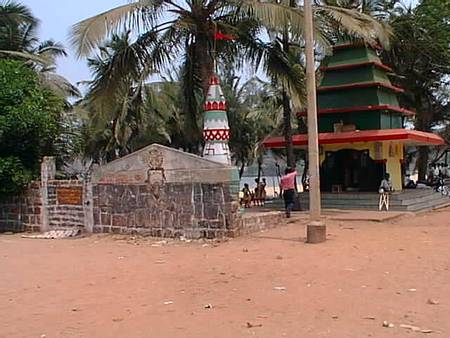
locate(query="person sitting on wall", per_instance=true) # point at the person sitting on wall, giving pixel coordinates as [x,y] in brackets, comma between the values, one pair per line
[385,189]
[386,184]
[287,187]
[246,199]
[440,182]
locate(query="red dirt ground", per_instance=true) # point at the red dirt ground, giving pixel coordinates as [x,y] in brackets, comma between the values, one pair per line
[267,285]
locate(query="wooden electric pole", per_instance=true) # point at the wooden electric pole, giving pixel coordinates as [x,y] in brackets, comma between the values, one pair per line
[316,230]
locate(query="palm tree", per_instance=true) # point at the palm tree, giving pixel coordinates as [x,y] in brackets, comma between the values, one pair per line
[121,110]
[17,26]
[173,32]
[18,39]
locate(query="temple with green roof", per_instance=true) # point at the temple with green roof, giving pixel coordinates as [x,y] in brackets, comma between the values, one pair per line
[361,124]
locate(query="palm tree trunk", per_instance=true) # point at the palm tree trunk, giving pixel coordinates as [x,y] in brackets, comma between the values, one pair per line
[205,62]
[422,162]
[241,169]
[287,126]
[259,168]
[287,130]
[423,123]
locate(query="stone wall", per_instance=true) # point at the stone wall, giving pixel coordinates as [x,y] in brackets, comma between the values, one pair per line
[156,191]
[65,204]
[193,210]
[22,213]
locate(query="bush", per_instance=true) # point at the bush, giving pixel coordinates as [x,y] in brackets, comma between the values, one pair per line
[29,116]
[13,175]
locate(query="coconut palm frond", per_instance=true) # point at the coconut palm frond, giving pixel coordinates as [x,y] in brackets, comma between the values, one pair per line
[50,48]
[28,57]
[278,16]
[288,74]
[88,34]
[13,13]
[121,62]
[58,84]
[357,24]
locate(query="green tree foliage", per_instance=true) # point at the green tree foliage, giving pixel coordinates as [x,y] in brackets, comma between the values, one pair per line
[29,126]
[171,33]
[420,57]
[19,40]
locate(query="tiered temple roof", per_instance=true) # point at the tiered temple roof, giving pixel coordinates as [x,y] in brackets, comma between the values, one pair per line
[357,102]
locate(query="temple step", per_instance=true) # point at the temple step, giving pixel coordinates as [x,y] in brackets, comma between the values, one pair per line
[408,200]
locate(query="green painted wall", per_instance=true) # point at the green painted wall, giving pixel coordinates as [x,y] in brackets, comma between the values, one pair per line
[388,97]
[356,97]
[369,120]
[347,76]
[368,73]
[391,121]
[380,75]
[351,55]
[363,121]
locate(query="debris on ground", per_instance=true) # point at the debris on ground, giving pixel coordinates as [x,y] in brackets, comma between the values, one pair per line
[369,317]
[415,328]
[56,234]
[279,288]
[168,302]
[432,301]
[250,325]
[410,327]
[426,331]
[160,243]
[387,324]
[208,306]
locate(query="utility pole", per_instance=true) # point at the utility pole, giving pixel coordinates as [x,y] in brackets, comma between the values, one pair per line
[316,230]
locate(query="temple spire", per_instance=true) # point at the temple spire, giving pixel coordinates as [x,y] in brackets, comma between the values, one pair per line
[216,131]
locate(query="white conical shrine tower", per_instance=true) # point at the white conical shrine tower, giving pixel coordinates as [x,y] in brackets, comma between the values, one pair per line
[216,131]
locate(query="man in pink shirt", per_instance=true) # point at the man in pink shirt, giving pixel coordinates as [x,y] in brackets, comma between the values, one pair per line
[287,186]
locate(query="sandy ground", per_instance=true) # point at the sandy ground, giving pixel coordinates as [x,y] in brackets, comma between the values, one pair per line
[270,284]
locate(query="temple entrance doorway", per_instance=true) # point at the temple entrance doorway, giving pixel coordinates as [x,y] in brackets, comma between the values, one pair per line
[350,170]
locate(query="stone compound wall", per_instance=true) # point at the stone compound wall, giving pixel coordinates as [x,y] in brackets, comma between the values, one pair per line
[156,191]
[22,213]
[65,204]
[193,210]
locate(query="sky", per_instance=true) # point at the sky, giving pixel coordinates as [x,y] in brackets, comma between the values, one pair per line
[58,16]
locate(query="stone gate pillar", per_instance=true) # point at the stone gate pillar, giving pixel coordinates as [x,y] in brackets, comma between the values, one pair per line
[48,171]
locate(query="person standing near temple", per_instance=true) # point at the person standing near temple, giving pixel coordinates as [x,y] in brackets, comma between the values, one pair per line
[287,187]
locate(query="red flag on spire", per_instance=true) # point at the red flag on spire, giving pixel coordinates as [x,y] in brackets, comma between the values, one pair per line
[221,36]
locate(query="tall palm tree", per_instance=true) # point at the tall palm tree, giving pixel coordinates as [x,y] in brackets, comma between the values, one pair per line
[18,39]
[182,32]
[17,26]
